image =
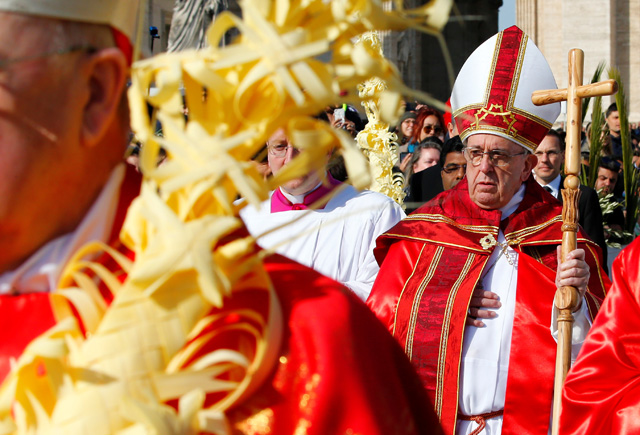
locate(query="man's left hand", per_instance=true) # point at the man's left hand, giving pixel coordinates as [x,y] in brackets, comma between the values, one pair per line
[574,271]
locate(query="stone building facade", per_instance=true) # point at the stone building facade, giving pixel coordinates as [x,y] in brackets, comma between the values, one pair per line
[419,56]
[606,31]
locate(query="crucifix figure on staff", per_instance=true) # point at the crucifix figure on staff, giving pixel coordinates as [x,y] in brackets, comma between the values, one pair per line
[567,298]
[467,282]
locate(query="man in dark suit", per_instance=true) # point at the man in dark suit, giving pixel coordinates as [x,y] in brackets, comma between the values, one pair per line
[550,155]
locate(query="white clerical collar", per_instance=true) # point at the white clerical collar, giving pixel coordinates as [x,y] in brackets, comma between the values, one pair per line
[41,272]
[512,205]
[298,199]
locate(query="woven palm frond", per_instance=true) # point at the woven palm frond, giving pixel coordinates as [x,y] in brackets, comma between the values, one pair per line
[375,140]
[173,336]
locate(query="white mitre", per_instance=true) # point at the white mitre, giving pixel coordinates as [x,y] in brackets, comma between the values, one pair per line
[121,15]
[492,93]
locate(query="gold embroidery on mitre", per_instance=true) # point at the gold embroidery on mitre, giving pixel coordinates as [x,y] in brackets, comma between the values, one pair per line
[496,110]
[515,82]
[488,241]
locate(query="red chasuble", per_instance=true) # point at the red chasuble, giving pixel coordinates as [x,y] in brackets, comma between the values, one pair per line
[432,261]
[602,391]
[339,372]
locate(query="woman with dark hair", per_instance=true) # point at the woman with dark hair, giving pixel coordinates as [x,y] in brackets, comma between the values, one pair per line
[425,155]
[429,123]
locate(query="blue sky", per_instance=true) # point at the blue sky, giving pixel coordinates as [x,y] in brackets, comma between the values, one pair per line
[507,14]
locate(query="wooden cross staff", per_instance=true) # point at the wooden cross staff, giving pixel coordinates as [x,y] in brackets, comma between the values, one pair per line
[567,298]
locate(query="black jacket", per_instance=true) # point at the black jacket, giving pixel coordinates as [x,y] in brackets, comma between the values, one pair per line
[590,218]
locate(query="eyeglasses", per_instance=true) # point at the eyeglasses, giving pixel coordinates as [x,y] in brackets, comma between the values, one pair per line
[5,63]
[280,150]
[428,128]
[496,157]
[452,167]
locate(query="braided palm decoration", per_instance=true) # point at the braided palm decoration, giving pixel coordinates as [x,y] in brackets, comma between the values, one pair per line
[143,364]
[376,141]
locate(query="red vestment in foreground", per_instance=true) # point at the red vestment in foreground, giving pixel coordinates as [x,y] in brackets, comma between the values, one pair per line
[339,371]
[430,265]
[602,392]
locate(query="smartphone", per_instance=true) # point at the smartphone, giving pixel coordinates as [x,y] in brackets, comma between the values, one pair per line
[338,115]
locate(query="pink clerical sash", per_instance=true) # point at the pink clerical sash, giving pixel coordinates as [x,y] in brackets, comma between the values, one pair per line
[280,203]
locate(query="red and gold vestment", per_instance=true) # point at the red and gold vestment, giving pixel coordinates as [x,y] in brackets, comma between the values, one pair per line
[431,263]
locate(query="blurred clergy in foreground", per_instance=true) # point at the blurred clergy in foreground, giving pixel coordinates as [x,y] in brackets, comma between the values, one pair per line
[168,321]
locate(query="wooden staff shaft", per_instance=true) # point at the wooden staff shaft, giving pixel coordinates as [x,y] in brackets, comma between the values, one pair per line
[574,114]
[567,297]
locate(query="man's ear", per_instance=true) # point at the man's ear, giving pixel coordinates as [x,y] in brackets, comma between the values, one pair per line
[106,75]
[530,162]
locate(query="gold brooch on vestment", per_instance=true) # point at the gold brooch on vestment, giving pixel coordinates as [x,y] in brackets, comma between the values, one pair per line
[488,241]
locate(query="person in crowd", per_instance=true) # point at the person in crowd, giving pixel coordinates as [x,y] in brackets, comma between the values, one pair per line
[612,117]
[426,184]
[449,123]
[349,120]
[467,282]
[636,158]
[608,174]
[336,239]
[550,154]
[404,130]
[453,162]
[429,123]
[425,155]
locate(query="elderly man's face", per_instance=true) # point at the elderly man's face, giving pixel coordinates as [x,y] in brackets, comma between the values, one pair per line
[280,152]
[492,187]
[39,126]
[63,128]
